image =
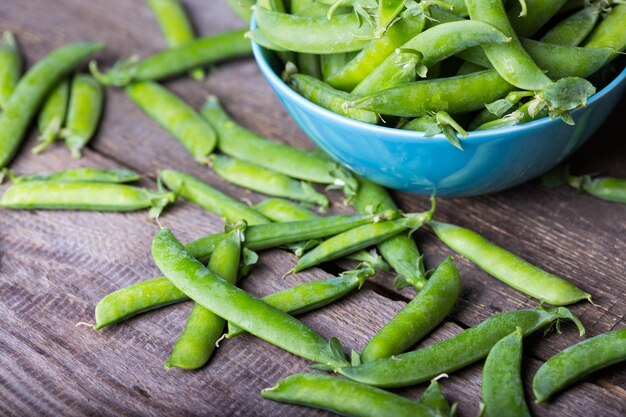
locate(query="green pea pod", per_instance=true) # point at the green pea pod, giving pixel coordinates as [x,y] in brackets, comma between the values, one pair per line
[175,116]
[243,144]
[403,68]
[419,316]
[209,198]
[312,295]
[31,91]
[457,352]
[52,195]
[388,12]
[52,116]
[342,33]
[326,96]
[174,61]
[526,22]
[507,267]
[243,8]
[196,344]
[502,389]
[10,67]
[265,181]
[605,188]
[113,176]
[83,113]
[572,30]
[175,26]
[343,397]
[610,31]
[332,63]
[239,307]
[577,361]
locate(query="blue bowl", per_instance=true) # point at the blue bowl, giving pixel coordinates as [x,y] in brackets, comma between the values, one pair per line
[492,160]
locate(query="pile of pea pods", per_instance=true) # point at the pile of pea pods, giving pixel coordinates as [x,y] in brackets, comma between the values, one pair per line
[379,49]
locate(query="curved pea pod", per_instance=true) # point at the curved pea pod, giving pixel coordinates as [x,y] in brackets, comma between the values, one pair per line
[343,397]
[52,116]
[422,314]
[174,61]
[610,31]
[196,344]
[83,113]
[605,188]
[175,116]
[458,94]
[573,29]
[452,354]
[10,67]
[577,361]
[96,196]
[527,20]
[175,25]
[116,176]
[502,389]
[314,35]
[31,91]
[239,307]
[243,144]
[508,267]
[325,96]
[312,295]
[209,198]
[265,181]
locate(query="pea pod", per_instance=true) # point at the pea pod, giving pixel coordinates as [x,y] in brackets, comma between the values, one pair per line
[196,344]
[404,66]
[31,91]
[452,354]
[536,13]
[83,113]
[174,61]
[52,116]
[117,176]
[238,142]
[507,267]
[343,397]
[332,63]
[10,67]
[418,317]
[577,361]
[502,389]
[54,195]
[239,307]
[606,188]
[312,295]
[610,31]
[265,181]
[572,30]
[209,198]
[388,13]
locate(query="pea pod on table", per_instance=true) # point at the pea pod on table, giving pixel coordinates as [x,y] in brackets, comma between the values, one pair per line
[52,116]
[81,175]
[10,67]
[606,188]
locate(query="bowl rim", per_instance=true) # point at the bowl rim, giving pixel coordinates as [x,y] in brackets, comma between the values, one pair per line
[390,133]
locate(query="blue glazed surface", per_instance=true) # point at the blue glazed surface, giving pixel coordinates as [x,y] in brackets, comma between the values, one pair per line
[492,160]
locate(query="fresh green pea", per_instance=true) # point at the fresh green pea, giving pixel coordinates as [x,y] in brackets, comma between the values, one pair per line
[457,352]
[508,267]
[314,35]
[83,113]
[175,25]
[114,176]
[196,344]
[265,181]
[502,389]
[360,238]
[175,116]
[536,13]
[209,198]
[312,295]
[243,8]
[400,251]
[422,314]
[52,116]
[606,188]
[454,95]
[243,144]
[97,196]
[174,61]
[610,31]
[239,307]
[573,29]
[404,66]
[10,67]
[577,361]
[343,397]
[326,96]
[31,91]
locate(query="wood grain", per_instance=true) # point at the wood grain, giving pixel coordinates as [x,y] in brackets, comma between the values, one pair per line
[55,266]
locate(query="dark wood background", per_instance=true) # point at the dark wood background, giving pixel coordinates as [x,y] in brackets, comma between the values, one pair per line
[55,266]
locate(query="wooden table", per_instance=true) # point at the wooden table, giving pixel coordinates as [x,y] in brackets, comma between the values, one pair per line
[55,266]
